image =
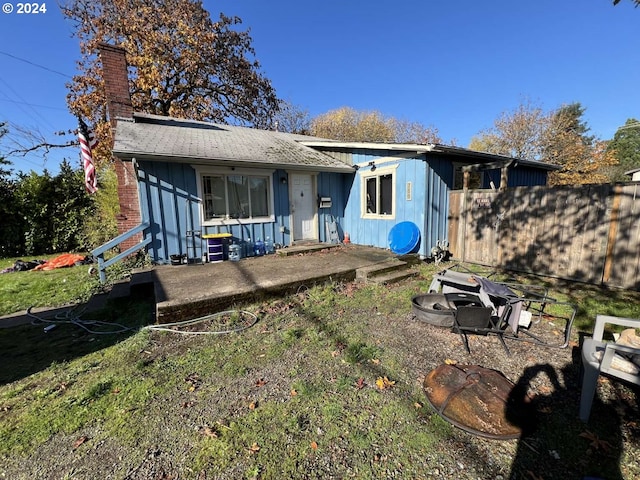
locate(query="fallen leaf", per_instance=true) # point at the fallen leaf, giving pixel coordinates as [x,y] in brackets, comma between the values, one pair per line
[314,445]
[360,383]
[417,406]
[115,391]
[210,432]
[448,361]
[293,392]
[375,361]
[254,448]
[194,382]
[80,441]
[261,382]
[596,442]
[253,405]
[383,383]
[335,353]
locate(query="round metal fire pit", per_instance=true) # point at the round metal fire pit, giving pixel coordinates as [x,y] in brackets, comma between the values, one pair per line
[432,308]
[478,400]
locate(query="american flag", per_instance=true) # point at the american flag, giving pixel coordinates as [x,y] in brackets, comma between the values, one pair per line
[88,142]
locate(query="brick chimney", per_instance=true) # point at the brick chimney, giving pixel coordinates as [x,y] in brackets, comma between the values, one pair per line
[116,86]
[116,82]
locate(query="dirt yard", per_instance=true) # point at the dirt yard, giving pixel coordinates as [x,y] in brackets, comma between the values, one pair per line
[559,447]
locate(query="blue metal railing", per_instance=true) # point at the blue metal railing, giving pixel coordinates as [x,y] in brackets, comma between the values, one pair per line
[100,251]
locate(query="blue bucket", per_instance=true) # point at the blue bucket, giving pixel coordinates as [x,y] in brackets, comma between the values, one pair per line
[404,238]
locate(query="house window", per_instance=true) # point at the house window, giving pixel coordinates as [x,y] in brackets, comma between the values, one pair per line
[378,194]
[236,196]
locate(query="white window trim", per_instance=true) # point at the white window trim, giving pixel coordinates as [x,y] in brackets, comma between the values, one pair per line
[213,171]
[364,175]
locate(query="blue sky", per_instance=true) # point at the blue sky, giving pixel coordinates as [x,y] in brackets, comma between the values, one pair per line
[454,65]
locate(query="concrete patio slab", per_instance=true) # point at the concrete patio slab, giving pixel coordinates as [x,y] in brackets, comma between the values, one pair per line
[191,291]
[184,292]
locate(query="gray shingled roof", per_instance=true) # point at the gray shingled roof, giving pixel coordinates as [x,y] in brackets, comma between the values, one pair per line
[153,137]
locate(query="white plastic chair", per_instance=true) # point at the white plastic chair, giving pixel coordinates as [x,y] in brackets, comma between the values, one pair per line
[593,367]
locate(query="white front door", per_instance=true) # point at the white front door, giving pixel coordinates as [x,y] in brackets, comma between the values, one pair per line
[303,207]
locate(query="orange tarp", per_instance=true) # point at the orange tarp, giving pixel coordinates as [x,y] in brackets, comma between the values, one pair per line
[64,260]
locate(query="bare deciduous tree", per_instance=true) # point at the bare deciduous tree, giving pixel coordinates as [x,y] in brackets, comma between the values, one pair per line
[292,119]
[518,134]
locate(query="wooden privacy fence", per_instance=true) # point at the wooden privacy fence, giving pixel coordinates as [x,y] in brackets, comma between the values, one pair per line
[587,233]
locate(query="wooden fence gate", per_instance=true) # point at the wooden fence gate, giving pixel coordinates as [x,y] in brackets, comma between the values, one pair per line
[587,233]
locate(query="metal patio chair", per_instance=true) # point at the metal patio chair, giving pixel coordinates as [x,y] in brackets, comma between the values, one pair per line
[598,359]
[517,311]
[460,278]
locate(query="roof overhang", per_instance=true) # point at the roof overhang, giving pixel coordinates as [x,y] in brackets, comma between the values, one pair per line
[508,163]
[465,155]
[228,162]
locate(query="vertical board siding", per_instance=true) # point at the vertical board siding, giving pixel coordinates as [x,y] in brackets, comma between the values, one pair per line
[430,177]
[374,231]
[438,179]
[332,185]
[586,233]
[281,234]
[483,229]
[170,203]
[625,248]
[520,176]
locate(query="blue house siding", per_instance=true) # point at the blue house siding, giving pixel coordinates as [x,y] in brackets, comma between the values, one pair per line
[169,201]
[364,231]
[335,186]
[491,176]
[526,177]
[426,204]
[422,182]
[438,183]
[519,176]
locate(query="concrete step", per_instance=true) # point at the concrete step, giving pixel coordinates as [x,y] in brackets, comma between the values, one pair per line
[139,285]
[142,284]
[371,271]
[393,276]
[305,248]
[97,302]
[120,289]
